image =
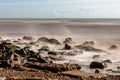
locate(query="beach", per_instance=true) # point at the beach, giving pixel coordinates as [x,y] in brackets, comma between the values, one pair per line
[75,43]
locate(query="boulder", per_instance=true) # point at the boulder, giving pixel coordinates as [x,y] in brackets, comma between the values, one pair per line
[67,47]
[98,65]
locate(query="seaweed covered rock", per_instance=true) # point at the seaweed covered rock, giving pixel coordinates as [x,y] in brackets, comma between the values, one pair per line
[98,65]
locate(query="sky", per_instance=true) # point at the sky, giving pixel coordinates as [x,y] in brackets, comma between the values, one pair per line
[60,9]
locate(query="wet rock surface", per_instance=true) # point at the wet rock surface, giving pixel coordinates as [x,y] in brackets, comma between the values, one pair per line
[51,41]
[98,65]
[19,60]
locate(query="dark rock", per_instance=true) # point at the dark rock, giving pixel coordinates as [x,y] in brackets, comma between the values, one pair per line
[97,71]
[113,47]
[89,43]
[44,48]
[68,41]
[53,53]
[96,56]
[98,65]
[28,38]
[72,53]
[67,47]
[107,61]
[54,41]
[89,48]
[44,39]
[51,41]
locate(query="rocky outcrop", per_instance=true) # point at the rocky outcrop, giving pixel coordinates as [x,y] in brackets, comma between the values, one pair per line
[98,65]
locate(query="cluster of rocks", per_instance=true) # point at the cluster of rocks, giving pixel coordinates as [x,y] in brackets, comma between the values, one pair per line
[14,57]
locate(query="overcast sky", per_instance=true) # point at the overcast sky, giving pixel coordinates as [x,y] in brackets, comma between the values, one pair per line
[59,8]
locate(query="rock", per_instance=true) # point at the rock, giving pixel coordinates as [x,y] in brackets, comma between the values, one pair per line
[67,47]
[96,56]
[53,53]
[97,71]
[89,48]
[14,61]
[44,48]
[54,67]
[73,53]
[51,41]
[44,39]
[89,43]
[54,41]
[113,47]
[28,38]
[107,61]
[97,65]
[68,41]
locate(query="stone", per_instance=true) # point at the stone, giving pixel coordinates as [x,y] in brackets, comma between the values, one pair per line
[98,65]
[96,56]
[44,39]
[107,61]
[67,47]
[113,47]
[89,48]
[89,43]
[28,38]
[53,53]
[68,41]
[44,48]
[97,71]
